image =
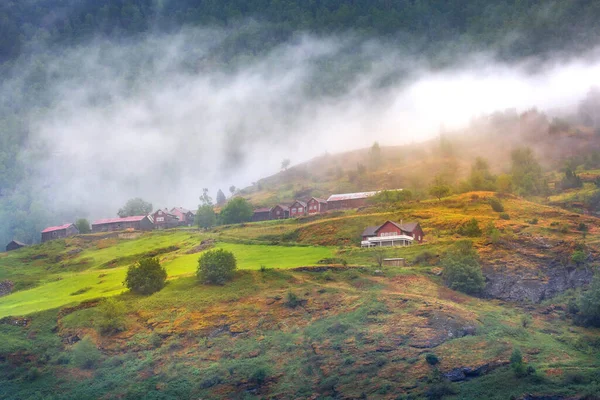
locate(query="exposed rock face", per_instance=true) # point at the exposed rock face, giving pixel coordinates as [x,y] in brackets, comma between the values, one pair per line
[520,286]
[6,288]
[464,373]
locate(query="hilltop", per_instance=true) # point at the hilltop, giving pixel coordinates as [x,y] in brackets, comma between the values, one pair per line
[554,142]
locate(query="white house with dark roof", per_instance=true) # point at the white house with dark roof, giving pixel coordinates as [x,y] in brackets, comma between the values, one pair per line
[392,234]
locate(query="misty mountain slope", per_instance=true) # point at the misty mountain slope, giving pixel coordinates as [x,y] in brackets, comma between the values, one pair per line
[415,166]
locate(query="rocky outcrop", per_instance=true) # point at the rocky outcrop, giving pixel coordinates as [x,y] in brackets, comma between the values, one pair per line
[6,288]
[523,286]
[464,373]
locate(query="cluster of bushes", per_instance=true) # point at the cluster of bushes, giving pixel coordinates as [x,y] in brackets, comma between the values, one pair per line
[470,228]
[462,271]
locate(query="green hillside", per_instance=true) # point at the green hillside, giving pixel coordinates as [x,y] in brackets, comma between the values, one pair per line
[282,330]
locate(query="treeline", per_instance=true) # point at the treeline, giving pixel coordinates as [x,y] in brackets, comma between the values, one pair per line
[519,28]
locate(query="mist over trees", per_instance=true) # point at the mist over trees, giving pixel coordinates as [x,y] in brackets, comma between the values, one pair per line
[425,25]
[134,207]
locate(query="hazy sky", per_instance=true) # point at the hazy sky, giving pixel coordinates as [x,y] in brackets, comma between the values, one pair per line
[162,117]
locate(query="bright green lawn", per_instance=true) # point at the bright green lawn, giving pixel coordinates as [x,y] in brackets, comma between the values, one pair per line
[108,282]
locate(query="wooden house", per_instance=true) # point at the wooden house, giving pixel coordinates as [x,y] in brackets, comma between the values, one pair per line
[185,216]
[392,234]
[136,223]
[316,205]
[297,209]
[261,214]
[14,245]
[280,212]
[59,232]
[348,200]
[163,219]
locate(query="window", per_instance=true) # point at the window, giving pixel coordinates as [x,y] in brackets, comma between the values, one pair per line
[160,219]
[294,210]
[300,209]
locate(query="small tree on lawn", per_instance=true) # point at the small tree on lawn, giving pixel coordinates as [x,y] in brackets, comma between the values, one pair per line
[216,266]
[439,188]
[379,255]
[462,271]
[83,225]
[112,316]
[236,211]
[206,217]
[146,277]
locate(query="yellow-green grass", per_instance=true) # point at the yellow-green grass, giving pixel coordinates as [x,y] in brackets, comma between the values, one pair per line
[94,283]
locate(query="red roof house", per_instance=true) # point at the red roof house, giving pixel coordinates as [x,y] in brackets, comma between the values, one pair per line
[297,209]
[59,232]
[392,233]
[185,216]
[316,205]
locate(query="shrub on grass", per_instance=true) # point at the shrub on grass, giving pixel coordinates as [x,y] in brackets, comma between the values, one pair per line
[146,276]
[439,390]
[85,354]
[291,300]
[112,316]
[496,204]
[425,258]
[504,216]
[470,228]
[216,266]
[589,304]
[526,320]
[462,271]
[519,367]
[578,257]
[432,359]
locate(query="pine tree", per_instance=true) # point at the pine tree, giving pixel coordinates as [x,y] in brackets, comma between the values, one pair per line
[221,199]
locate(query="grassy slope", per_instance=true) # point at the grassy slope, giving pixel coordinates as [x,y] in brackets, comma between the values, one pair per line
[59,288]
[353,333]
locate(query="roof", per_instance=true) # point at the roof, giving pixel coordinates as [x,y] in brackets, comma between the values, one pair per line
[370,230]
[303,204]
[182,210]
[56,228]
[285,208]
[406,227]
[17,242]
[351,196]
[116,220]
[319,200]
[165,211]
[261,210]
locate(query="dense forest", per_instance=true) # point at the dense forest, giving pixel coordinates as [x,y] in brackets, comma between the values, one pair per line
[35,32]
[515,28]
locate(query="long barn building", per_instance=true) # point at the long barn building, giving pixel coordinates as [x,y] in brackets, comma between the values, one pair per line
[348,200]
[136,223]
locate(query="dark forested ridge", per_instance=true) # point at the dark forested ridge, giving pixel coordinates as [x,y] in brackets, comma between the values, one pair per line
[517,28]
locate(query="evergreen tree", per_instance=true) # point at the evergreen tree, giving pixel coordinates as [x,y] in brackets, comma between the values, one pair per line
[221,199]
